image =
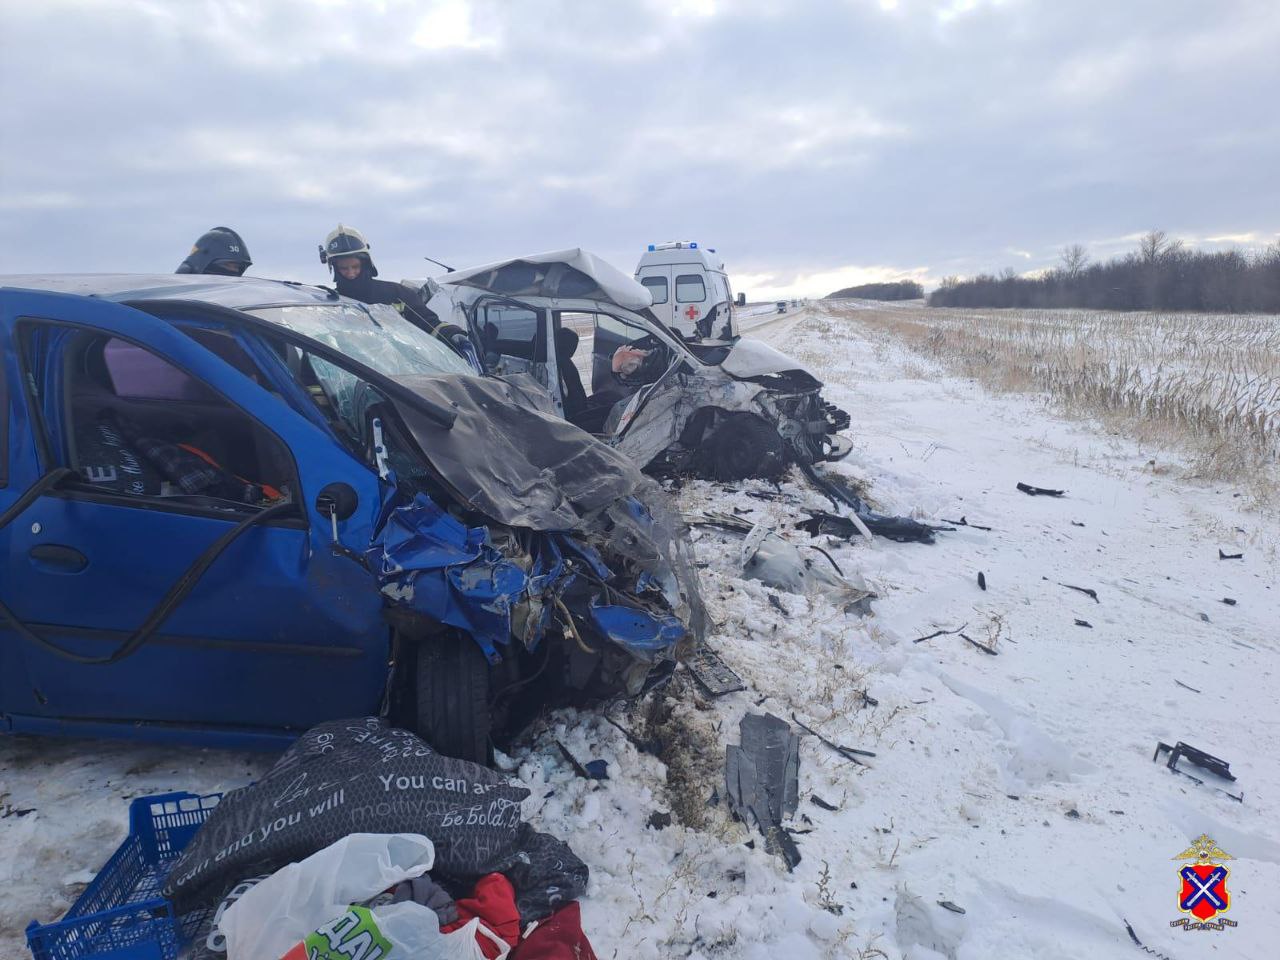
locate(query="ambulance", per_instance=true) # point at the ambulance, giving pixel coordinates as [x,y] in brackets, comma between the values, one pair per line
[691,293]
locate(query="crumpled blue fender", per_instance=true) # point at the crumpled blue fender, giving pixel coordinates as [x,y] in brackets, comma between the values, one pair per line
[642,634]
[427,560]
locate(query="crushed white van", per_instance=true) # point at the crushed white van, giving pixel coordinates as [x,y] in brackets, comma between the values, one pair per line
[690,289]
[588,334]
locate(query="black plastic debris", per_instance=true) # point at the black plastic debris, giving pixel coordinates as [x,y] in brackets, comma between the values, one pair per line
[964,522]
[948,905]
[989,650]
[1229,556]
[1087,591]
[713,674]
[902,529]
[659,820]
[1076,523]
[1185,686]
[1230,602]
[1084,623]
[940,633]
[762,780]
[982,580]
[1039,491]
[817,801]
[777,605]
[1205,761]
[591,770]
[849,753]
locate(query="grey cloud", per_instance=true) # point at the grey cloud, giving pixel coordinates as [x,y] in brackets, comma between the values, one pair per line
[800,138]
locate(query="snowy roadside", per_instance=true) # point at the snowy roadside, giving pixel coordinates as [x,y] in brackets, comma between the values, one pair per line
[1018,786]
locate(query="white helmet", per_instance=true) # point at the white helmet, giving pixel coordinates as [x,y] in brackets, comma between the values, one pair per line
[346,242]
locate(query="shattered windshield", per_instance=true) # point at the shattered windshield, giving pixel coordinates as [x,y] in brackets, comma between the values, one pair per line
[375,335]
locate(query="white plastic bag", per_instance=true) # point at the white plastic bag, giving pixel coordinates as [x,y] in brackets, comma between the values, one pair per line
[301,897]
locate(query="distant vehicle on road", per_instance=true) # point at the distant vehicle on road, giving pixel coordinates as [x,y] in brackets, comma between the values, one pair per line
[782,306]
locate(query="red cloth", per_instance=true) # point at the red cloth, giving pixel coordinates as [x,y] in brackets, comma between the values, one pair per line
[559,937]
[494,901]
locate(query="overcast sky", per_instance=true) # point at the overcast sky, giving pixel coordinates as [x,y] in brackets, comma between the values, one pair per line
[814,143]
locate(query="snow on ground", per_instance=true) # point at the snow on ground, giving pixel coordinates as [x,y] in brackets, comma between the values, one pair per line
[1019,787]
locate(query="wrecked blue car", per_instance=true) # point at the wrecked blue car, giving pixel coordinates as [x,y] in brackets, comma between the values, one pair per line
[231,509]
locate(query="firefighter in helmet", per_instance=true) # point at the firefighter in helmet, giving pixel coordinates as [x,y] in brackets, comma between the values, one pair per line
[346,252]
[220,251]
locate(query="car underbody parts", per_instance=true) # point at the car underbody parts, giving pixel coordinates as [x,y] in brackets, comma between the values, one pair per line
[1206,761]
[762,780]
[901,529]
[714,676]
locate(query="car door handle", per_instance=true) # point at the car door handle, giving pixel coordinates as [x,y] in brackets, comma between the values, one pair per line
[55,558]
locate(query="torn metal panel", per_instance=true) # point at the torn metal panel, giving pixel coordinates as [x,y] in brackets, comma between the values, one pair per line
[509,460]
[558,274]
[750,358]
[776,563]
[762,779]
[643,599]
[432,563]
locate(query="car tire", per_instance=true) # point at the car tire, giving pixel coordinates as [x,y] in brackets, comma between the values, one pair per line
[743,445]
[453,707]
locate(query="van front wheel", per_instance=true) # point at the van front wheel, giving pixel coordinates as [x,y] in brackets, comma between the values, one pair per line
[453,697]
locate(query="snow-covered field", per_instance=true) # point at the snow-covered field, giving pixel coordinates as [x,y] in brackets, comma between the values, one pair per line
[1017,787]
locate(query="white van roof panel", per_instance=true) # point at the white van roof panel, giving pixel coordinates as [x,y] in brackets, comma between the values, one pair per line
[573,274]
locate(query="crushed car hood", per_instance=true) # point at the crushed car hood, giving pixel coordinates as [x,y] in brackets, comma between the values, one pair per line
[510,457]
[754,358]
[573,274]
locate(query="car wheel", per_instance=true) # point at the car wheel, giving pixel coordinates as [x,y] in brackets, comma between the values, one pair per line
[743,445]
[453,697]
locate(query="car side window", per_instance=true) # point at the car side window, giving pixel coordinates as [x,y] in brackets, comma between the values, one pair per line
[131,423]
[658,287]
[513,331]
[690,288]
[625,356]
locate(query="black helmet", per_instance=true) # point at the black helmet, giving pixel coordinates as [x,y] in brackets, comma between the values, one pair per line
[346,242]
[220,251]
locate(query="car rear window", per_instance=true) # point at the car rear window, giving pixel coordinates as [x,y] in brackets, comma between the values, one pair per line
[690,288]
[658,287]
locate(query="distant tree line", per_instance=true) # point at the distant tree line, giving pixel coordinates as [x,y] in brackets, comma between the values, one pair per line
[1161,274]
[897,290]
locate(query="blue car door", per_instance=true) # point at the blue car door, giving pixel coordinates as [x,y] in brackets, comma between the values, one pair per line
[280,631]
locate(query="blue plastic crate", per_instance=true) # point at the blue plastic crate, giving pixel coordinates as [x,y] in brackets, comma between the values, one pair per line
[121,914]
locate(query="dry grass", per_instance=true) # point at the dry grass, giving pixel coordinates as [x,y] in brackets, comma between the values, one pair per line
[1207,383]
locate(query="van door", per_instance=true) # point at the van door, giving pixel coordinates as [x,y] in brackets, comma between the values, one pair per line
[692,301]
[279,632]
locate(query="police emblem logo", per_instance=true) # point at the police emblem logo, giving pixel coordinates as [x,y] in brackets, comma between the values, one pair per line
[1202,886]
